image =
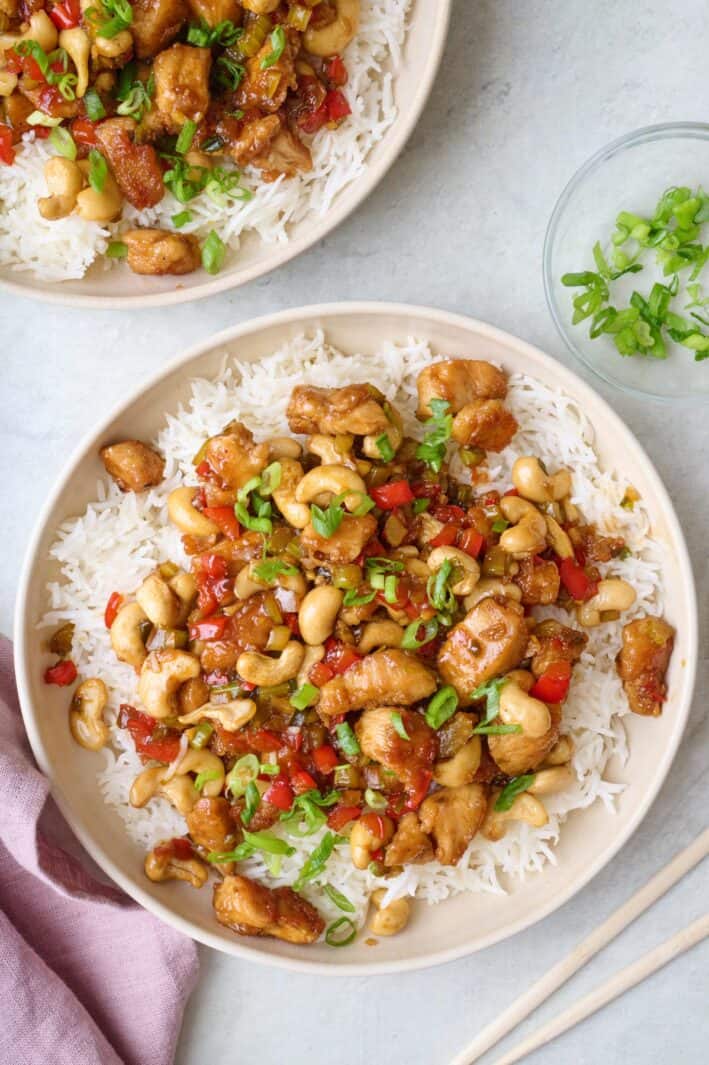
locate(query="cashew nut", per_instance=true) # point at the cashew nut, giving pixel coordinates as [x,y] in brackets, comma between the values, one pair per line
[8,83]
[533,483]
[182,513]
[296,514]
[548,781]
[86,714]
[364,838]
[231,716]
[260,7]
[558,539]
[41,29]
[247,583]
[126,638]
[64,183]
[380,634]
[460,560]
[161,675]
[160,602]
[312,656]
[317,614]
[518,708]
[76,42]
[179,791]
[330,481]
[462,767]
[267,672]
[161,864]
[528,532]
[333,39]
[393,432]
[561,753]
[112,47]
[202,761]
[388,920]
[525,808]
[489,586]
[612,594]
[283,447]
[103,206]
[330,452]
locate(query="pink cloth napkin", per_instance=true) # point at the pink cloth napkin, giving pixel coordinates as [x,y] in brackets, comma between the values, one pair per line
[87,977]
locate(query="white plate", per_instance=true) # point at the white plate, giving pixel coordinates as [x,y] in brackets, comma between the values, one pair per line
[463,924]
[423,48]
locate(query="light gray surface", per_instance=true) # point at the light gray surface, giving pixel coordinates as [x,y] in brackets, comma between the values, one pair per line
[527,91]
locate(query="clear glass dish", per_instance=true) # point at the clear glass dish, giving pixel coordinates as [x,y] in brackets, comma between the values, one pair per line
[629,174]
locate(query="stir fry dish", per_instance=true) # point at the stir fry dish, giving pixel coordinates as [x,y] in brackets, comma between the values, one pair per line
[358,647]
[175,95]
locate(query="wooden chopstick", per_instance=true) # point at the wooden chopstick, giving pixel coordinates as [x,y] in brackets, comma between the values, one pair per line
[580,955]
[611,989]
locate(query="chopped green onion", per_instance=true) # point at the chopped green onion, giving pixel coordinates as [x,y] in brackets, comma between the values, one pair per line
[316,862]
[496,730]
[122,17]
[340,900]
[213,252]
[398,724]
[252,801]
[326,521]
[270,479]
[271,568]
[202,735]
[62,140]
[410,641]
[307,695]
[98,170]
[439,594]
[341,932]
[181,219]
[511,790]
[93,106]
[203,35]
[38,118]
[264,841]
[262,525]
[205,776]
[242,774]
[419,505]
[442,706]
[490,691]
[375,800]
[383,445]
[229,73]
[278,43]
[383,565]
[116,250]
[353,598]
[186,136]
[347,739]
[500,525]
[391,593]
[435,442]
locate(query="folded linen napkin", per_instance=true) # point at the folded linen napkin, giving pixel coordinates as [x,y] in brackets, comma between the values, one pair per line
[87,977]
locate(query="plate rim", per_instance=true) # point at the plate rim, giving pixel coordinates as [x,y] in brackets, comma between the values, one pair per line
[291,316]
[370,179]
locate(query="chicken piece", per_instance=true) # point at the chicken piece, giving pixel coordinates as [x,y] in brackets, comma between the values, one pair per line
[265,816]
[35,93]
[539,582]
[386,677]
[155,24]
[354,409]
[215,11]
[459,382]
[346,543]
[157,251]
[133,465]
[410,844]
[454,734]
[234,457]
[553,642]
[642,663]
[10,8]
[266,87]
[253,138]
[489,641]
[516,753]
[236,553]
[211,825]
[182,84]
[484,423]
[594,547]
[453,816]
[408,759]
[285,156]
[251,909]
[248,629]
[17,109]
[136,167]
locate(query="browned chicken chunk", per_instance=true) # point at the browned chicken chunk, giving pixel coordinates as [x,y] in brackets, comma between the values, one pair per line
[484,423]
[251,909]
[595,547]
[211,825]
[389,677]
[135,167]
[353,409]
[266,86]
[155,24]
[642,663]
[539,582]
[215,11]
[248,629]
[133,465]
[488,642]
[459,382]
[182,84]
[285,156]
[253,138]
[380,741]
[157,251]
[346,543]
[516,753]
[409,845]
[17,109]
[235,457]
[453,816]
[554,642]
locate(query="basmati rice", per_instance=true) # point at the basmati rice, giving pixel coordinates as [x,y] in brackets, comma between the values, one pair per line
[120,538]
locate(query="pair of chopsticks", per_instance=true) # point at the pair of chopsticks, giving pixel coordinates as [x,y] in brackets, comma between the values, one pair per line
[617,985]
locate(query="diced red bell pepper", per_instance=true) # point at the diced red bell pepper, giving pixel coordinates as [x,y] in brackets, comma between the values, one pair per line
[340,656]
[325,758]
[578,585]
[511,492]
[553,685]
[337,106]
[342,815]
[204,469]
[84,132]
[178,847]
[394,494]
[302,781]
[336,71]
[115,601]
[42,132]
[291,620]
[446,536]
[209,629]
[280,794]
[7,152]
[163,747]
[374,823]
[448,513]
[320,674]
[213,582]
[418,790]
[264,741]
[62,673]
[294,737]
[471,541]
[225,518]
[66,15]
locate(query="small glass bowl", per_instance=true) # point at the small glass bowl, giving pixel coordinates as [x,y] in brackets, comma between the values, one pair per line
[629,174]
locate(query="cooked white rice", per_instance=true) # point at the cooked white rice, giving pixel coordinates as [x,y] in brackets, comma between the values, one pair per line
[61,250]
[120,538]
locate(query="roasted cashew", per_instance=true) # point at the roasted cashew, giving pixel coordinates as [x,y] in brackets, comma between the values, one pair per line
[126,639]
[525,808]
[328,481]
[364,839]
[318,613]
[533,483]
[161,865]
[560,754]
[297,514]
[267,672]
[460,560]
[492,586]
[558,539]
[462,767]
[549,781]
[328,451]
[247,583]
[182,513]
[393,432]
[86,714]
[76,43]
[161,675]
[388,920]
[40,29]
[160,602]
[179,790]
[231,716]
[613,594]
[112,47]
[518,708]
[283,447]
[380,634]
[103,206]
[312,656]
[64,183]
[528,532]
[333,39]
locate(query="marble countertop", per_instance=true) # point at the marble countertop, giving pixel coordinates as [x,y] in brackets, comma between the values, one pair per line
[526,93]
